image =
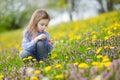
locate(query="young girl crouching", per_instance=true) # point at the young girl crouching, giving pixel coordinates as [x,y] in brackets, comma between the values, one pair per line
[36,40]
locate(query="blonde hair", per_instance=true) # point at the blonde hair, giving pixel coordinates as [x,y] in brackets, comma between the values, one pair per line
[35,18]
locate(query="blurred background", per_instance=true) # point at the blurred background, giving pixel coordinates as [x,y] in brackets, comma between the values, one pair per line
[15,14]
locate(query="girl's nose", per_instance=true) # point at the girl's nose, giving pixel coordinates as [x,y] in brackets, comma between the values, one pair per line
[44,26]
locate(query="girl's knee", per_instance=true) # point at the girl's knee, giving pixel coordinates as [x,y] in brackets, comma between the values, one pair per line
[40,43]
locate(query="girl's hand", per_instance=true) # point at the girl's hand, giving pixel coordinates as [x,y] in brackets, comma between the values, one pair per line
[50,41]
[40,37]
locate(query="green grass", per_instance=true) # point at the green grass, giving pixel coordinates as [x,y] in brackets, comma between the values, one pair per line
[72,40]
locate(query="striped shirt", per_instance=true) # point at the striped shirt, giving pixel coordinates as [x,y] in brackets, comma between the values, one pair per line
[29,45]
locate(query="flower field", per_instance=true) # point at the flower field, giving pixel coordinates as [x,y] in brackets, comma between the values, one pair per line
[84,50]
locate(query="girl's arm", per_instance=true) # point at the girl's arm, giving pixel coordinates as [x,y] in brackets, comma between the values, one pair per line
[26,43]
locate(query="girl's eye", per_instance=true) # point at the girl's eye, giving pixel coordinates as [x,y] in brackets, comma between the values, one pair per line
[42,24]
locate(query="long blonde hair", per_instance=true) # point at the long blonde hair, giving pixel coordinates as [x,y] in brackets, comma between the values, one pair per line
[35,18]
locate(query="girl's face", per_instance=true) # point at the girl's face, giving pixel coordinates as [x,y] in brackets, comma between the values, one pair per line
[42,24]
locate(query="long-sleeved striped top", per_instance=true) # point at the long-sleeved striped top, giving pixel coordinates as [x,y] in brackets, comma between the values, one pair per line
[29,45]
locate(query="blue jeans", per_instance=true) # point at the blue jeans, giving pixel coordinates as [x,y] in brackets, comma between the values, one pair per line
[41,54]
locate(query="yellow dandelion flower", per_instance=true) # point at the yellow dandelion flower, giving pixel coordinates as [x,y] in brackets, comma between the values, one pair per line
[48,68]
[29,57]
[61,41]
[94,33]
[94,63]
[58,66]
[87,39]
[34,78]
[93,40]
[105,47]
[8,57]
[111,47]
[40,62]
[54,55]
[1,76]
[75,64]
[60,76]
[98,50]
[114,27]
[89,48]
[24,59]
[97,64]
[99,56]
[34,59]
[94,37]
[71,36]
[107,64]
[105,59]
[100,65]
[118,34]
[106,38]
[112,35]
[83,65]
[66,57]
[37,71]
[78,37]
[109,32]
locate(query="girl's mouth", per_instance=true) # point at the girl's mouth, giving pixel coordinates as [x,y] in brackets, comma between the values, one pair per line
[42,30]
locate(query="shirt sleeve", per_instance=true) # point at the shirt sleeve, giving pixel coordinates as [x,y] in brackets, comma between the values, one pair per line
[26,43]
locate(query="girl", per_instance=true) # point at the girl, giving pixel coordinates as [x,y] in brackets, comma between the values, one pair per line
[36,40]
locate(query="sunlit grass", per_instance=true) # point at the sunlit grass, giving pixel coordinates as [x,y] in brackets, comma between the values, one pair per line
[87,49]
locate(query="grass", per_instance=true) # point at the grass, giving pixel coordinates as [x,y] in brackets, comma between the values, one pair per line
[86,49]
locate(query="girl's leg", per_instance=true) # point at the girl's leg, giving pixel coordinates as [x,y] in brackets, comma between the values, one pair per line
[42,52]
[24,54]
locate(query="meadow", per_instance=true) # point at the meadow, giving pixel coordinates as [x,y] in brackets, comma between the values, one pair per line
[83,50]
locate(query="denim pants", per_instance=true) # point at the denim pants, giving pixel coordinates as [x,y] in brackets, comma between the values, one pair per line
[41,54]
